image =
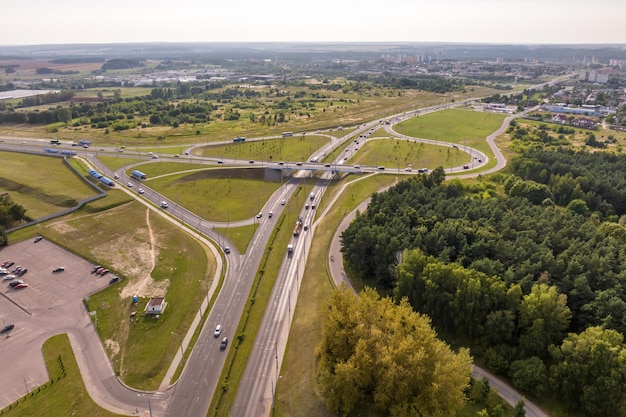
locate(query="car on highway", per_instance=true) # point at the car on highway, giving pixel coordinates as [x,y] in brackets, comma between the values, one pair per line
[408,169]
[258,216]
[465,166]
[220,161]
[140,191]
[177,156]
[281,163]
[282,202]
[217,331]
[357,167]
[299,164]
[7,328]
[116,176]
[129,185]
[326,165]
[251,161]
[58,269]
[164,204]
[270,214]
[382,168]
[224,343]
[226,250]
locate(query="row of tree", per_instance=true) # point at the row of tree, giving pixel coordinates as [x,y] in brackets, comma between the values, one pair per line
[11,214]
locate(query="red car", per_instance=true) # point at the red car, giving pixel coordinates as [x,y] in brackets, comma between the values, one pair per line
[22,285]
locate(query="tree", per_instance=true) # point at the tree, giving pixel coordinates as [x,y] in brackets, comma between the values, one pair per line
[530,375]
[544,317]
[375,351]
[64,114]
[591,371]
[519,410]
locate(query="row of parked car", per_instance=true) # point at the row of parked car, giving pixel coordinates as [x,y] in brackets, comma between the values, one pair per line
[13,274]
[102,271]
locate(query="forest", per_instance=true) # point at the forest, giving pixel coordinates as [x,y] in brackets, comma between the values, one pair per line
[531,279]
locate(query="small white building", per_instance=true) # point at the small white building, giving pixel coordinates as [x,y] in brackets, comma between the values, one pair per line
[156,305]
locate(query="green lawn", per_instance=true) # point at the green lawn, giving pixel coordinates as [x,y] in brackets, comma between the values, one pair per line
[462,127]
[218,195]
[49,188]
[398,154]
[296,148]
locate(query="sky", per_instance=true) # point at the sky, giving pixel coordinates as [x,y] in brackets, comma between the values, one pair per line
[485,21]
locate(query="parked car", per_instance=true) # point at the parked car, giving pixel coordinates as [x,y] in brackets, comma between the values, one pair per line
[38,238]
[5,264]
[224,343]
[16,269]
[58,269]
[217,331]
[21,285]
[9,264]
[95,268]
[9,277]
[22,272]
[13,284]
[114,280]
[7,328]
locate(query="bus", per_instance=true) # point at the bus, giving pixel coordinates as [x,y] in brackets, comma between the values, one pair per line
[138,175]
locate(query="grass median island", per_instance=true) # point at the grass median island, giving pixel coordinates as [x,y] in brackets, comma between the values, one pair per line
[64,394]
[153,256]
[399,154]
[295,148]
[218,195]
[461,127]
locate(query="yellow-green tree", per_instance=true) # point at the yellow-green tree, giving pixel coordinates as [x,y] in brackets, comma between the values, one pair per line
[375,351]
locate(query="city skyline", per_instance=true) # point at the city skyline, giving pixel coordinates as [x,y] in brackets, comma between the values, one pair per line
[481,21]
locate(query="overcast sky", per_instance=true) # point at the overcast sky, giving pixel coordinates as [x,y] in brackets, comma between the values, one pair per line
[490,21]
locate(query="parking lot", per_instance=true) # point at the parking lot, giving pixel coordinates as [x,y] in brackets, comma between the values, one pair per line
[51,304]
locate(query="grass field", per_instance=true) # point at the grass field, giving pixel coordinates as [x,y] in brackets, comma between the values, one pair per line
[152,256]
[49,188]
[64,394]
[297,148]
[218,195]
[461,127]
[397,154]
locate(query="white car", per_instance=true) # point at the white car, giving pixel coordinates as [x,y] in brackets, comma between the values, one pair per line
[164,204]
[130,185]
[217,331]
[140,191]
[258,216]
[9,277]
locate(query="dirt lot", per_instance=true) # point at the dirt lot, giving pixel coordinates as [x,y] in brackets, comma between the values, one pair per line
[51,304]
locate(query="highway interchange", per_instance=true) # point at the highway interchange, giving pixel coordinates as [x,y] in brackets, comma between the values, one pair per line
[192,394]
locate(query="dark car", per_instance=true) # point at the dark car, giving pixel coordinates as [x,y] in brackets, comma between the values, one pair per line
[22,272]
[58,269]
[9,264]
[224,343]
[7,328]
[114,280]
[226,250]
[14,284]
[465,166]
[95,268]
